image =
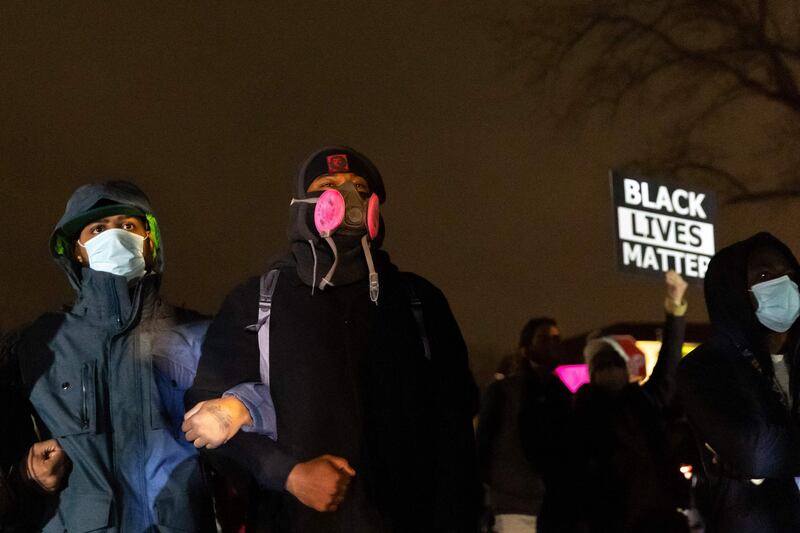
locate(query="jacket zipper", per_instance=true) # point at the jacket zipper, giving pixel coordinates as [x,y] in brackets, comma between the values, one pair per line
[84,398]
[109,430]
[144,400]
[117,311]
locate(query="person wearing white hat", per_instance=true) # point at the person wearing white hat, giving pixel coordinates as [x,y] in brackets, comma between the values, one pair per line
[630,479]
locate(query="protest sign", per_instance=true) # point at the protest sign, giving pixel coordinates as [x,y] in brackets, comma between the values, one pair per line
[661,227]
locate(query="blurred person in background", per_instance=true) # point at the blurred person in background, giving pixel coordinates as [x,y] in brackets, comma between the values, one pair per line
[515,486]
[630,480]
[545,425]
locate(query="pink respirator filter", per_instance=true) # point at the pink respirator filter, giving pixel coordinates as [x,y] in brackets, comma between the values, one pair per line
[329,212]
[373,216]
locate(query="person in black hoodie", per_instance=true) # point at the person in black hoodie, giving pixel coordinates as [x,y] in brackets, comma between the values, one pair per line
[350,379]
[740,393]
[630,479]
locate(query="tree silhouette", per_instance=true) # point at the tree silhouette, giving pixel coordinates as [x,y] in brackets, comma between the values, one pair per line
[707,68]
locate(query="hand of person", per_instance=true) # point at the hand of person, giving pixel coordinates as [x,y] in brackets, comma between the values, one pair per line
[676,287]
[321,483]
[46,465]
[214,422]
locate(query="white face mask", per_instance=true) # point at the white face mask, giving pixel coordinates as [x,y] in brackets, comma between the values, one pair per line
[118,252]
[778,303]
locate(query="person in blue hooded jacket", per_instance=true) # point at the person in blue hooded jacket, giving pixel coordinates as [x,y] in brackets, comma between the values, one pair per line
[106,377]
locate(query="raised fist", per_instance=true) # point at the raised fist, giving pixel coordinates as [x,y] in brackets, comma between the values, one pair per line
[676,287]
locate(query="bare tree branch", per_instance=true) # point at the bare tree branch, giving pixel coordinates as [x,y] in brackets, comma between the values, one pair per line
[753,197]
[705,60]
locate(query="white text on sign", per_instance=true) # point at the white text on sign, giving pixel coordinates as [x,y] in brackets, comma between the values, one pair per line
[661,227]
[664,230]
[680,201]
[662,259]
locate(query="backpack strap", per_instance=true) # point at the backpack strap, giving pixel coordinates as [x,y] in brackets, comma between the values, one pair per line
[417,311]
[267,288]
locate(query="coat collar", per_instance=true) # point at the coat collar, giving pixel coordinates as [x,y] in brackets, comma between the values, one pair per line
[107,301]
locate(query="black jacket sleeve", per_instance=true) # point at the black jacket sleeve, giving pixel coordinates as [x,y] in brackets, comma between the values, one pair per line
[458,488]
[20,502]
[660,388]
[738,416]
[230,357]
[488,426]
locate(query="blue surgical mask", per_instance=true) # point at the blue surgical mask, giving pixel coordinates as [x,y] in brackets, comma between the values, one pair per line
[118,252]
[778,303]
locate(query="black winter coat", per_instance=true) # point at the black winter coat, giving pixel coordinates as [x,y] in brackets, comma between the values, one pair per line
[515,486]
[547,434]
[350,378]
[734,410]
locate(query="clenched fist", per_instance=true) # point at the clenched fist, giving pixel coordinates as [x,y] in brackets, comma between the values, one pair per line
[676,287]
[214,422]
[46,465]
[321,483]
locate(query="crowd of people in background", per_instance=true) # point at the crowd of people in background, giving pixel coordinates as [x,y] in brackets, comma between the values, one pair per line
[332,393]
[600,460]
[615,456]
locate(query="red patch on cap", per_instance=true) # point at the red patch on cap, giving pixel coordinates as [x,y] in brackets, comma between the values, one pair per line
[337,163]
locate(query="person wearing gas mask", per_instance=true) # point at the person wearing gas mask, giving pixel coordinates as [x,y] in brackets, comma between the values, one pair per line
[106,377]
[515,485]
[740,390]
[629,480]
[348,379]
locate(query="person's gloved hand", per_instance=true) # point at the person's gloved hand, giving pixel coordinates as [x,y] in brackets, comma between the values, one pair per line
[321,483]
[46,465]
[214,422]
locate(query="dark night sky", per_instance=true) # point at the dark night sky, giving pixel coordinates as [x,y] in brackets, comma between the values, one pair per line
[211,106]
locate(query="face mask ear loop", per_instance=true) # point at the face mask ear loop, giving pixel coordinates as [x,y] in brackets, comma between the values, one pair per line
[374,286]
[327,279]
[314,271]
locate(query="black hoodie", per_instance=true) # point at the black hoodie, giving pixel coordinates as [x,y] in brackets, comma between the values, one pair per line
[727,388]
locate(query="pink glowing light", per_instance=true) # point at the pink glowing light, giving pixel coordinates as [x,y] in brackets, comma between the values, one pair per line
[573,376]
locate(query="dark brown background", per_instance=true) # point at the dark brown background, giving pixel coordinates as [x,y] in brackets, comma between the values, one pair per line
[211,106]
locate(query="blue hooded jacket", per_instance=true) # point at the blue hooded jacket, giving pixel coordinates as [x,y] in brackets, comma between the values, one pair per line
[107,378]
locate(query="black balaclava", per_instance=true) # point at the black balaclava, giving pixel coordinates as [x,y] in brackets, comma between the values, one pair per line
[727,300]
[312,254]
